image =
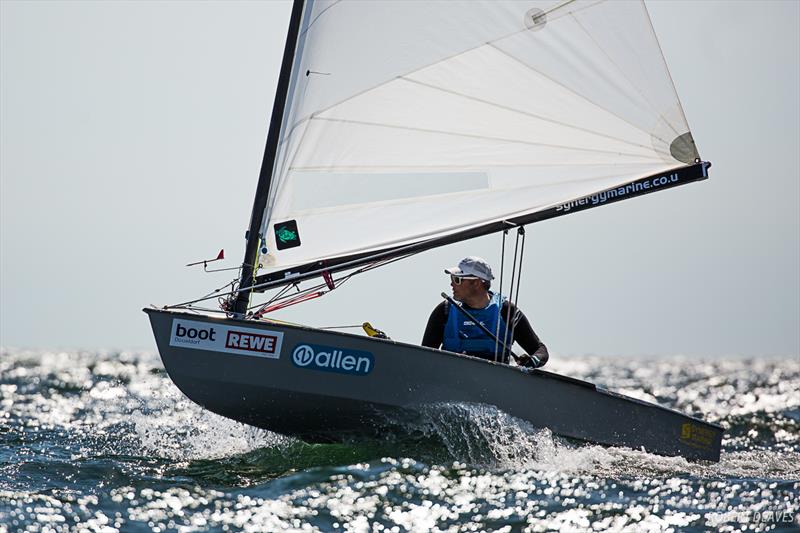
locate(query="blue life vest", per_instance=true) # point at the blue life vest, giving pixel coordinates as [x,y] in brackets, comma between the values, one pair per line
[461,335]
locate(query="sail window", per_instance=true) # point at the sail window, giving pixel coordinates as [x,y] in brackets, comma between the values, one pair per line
[317,190]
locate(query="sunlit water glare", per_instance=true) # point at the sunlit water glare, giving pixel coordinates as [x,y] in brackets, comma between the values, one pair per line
[105,442]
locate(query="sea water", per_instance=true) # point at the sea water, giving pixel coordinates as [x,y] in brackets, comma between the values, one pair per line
[105,442]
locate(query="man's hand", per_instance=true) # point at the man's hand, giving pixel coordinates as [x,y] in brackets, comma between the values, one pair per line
[529,361]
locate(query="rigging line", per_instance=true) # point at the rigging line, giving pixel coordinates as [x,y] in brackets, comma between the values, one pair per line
[417,69]
[342,327]
[610,112]
[298,299]
[652,108]
[202,299]
[213,294]
[526,113]
[301,296]
[393,253]
[390,260]
[281,296]
[278,295]
[479,137]
[520,231]
[285,322]
[500,292]
[208,310]
[373,266]
[229,284]
[506,340]
[286,301]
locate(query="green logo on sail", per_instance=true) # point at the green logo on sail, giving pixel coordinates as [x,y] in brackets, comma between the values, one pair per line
[286,234]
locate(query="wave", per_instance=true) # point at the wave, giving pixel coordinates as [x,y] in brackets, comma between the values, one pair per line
[90,405]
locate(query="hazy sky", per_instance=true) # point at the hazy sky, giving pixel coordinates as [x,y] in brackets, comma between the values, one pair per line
[132,135]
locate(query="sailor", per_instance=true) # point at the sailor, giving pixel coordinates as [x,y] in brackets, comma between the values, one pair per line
[452,330]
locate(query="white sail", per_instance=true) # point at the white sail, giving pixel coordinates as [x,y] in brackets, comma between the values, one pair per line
[407,120]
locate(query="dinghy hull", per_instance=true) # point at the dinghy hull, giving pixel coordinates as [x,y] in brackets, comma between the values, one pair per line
[324,386]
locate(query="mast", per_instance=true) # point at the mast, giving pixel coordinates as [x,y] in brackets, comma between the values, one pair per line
[268,162]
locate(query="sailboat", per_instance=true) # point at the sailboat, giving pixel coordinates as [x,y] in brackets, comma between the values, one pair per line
[399,127]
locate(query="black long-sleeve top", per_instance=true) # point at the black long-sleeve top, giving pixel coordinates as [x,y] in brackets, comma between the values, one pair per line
[523,332]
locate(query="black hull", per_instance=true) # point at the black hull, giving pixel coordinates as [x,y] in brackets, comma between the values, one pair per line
[281,392]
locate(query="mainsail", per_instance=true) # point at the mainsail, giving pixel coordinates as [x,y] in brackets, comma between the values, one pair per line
[411,122]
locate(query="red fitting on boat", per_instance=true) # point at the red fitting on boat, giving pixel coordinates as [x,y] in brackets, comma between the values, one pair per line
[328,280]
[287,303]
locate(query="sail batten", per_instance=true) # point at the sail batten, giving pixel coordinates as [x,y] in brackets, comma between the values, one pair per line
[527,113]
[409,122]
[482,137]
[578,94]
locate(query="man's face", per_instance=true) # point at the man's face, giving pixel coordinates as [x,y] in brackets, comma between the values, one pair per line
[467,287]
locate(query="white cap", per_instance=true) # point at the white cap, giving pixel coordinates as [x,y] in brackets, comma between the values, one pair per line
[472,266]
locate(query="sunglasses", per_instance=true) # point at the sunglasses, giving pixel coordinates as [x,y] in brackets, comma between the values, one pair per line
[457,279]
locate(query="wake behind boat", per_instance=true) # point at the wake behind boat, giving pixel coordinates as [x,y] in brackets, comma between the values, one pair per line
[399,127]
[323,386]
